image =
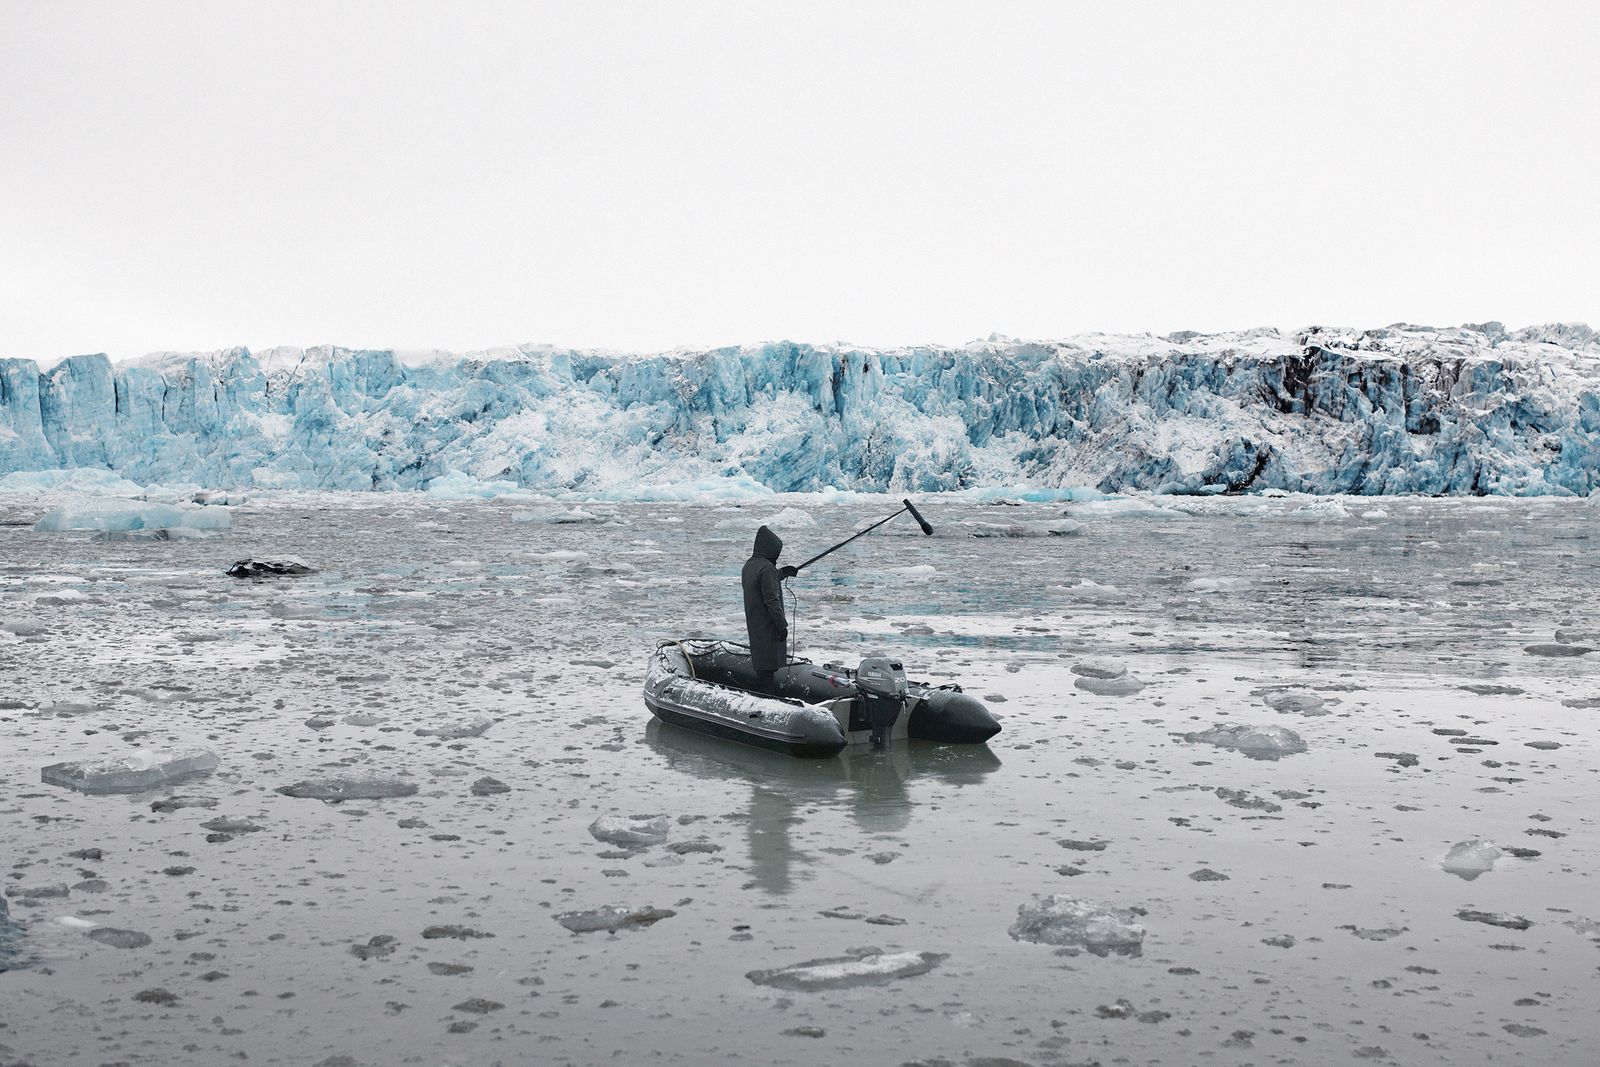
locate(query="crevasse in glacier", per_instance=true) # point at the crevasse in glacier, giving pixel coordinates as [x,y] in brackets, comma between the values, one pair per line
[1405,409]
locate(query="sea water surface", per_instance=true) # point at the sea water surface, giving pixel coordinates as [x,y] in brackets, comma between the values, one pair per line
[1429,653]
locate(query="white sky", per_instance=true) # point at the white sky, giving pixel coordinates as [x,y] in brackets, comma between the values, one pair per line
[644,175]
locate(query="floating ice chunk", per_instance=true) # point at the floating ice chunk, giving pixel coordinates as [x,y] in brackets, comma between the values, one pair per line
[1098,668]
[115,938]
[561,516]
[1089,592]
[112,514]
[1375,513]
[1325,508]
[1070,921]
[453,731]
[71,922]
[78,480]
[61,598]
[1122,685]
[132,773]
[729,487]
[560,555]
[1500,919]
[916,570]
[612,919]
[864,967]
[1257,742]
[1469,859]
[455,485]
[634,832]
[346,787]
[176,533]
[1042,528]
[23,627]
[1026,494]
[1122,508]
[786,519]
[1295,701]
[1219,585]
[282,566]
[219,498]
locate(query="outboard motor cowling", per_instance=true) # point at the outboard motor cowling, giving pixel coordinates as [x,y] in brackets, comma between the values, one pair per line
[881,681]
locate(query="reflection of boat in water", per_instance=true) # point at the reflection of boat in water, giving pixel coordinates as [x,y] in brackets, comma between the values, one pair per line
[872,785]
[11,955]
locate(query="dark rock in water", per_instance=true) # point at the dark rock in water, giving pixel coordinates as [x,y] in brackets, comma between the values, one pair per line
[336,789]
[1509,922]
[863,967]
[376,948]
[288,566]
[1240,799]
[1206,874]
[107,935]
[611,919]
[460,933]
[1082,846]
[478,1006]
[87,854]
[1382,933]
[156,996]
[1558,650]
[175,803]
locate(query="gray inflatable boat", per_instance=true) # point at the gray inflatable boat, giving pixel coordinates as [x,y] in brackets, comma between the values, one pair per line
[817,711]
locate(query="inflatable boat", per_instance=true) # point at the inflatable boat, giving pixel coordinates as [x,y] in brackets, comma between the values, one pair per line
[817,711]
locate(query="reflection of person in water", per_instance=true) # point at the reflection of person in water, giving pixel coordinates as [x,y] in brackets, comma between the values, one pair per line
[771,854]
[873,788]
[763,609]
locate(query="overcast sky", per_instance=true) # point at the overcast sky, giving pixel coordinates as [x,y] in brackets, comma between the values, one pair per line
[647,175]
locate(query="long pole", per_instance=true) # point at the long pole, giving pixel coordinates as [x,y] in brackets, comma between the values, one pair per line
[859,533]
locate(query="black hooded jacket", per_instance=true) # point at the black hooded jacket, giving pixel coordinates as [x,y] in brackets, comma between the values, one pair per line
[763,603]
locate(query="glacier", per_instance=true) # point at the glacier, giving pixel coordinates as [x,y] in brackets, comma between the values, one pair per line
[1475,409]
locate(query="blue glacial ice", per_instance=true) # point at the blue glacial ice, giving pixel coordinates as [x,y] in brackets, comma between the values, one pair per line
[1403,409]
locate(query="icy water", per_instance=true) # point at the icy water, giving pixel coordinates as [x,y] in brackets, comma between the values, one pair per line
[424,928]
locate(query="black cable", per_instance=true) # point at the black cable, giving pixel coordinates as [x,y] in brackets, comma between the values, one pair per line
[794,629]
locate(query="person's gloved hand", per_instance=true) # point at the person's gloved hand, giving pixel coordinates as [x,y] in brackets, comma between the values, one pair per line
[787,571]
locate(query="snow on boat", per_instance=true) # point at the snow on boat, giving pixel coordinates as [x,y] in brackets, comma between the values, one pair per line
[711,686]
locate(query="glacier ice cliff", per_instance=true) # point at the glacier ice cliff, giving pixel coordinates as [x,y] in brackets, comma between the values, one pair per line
[1404,409]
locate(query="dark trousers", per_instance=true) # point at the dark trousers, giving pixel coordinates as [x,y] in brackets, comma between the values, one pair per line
[767,682]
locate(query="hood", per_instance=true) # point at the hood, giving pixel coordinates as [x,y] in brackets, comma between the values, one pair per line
[768,544]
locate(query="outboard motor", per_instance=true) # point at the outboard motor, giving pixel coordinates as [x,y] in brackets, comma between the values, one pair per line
[881,681]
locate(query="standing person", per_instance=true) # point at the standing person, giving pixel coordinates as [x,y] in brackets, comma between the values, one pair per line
[763,609]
